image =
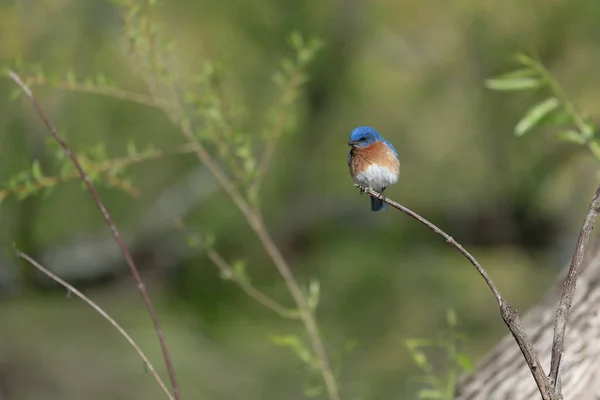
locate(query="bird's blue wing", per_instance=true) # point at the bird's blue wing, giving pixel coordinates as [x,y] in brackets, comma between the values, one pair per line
[391,146]
[349,157]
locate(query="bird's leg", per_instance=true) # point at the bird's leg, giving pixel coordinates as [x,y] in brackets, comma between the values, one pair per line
[382,195]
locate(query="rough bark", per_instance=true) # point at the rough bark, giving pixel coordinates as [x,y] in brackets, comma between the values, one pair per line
[503,373]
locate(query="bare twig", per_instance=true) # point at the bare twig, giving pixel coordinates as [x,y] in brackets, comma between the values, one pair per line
[566,300]
[103,313]
[509,314]
[112,226]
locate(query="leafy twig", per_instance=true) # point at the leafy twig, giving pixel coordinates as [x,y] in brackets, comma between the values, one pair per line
[556,110]
[508,313]
[566,300]
[97,168]
[112,226]
[256,223]
[230,272]
[103,313]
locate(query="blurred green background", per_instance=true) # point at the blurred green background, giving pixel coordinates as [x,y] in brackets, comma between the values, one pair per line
[414,70]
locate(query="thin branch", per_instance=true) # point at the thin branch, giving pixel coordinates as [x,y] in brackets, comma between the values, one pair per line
[256,223]
[275,134]
[250,290]
[103,313]
[89,88]
[566,299]
[509,314]
[113,228]
[174,111]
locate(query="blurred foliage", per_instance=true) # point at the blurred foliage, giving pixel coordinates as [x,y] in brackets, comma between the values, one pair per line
[413,70]
[440,385]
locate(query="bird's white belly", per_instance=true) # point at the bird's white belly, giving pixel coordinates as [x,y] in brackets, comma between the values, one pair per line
[376,177]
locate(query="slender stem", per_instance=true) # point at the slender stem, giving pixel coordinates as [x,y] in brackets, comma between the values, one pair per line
[562,97]
[566,299]
[250,290]
[275,134]
[108,91]
[103,313]
[256,223]
[508,313]
[112,226]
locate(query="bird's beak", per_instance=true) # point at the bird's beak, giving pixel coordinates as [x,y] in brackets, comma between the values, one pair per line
[352,143]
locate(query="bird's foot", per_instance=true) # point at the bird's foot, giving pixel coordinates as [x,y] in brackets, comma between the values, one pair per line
[361,188]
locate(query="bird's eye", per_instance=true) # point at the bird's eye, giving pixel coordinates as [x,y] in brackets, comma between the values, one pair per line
[362,139]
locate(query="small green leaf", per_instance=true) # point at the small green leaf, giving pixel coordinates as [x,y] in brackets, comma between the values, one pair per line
[588,131]
[571,136]
[294,343]
[557,118]
[514,84]
[464,361]
[524,59]
[451,318]
[313,295]
[36,170]
[239,268]
[535,114]
[193,240]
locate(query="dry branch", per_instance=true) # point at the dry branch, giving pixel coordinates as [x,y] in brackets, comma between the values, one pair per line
[103,313]
[509,314]
[566,300]
[112,226]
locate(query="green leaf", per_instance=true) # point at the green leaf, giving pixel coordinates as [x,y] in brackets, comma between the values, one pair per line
[451,318]
[571,136]
[514,84]
[36,170]
[465,362]
[557,118]
[524,59]
[535,114]
[239,268]
[294,343]
[588,131]
[313,295]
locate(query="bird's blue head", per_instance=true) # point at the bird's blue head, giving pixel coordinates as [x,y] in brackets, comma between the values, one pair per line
[363,136]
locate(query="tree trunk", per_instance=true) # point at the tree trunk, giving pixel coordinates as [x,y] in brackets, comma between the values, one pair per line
[503,374]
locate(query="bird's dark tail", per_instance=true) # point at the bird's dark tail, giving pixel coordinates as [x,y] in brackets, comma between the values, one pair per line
[376,204]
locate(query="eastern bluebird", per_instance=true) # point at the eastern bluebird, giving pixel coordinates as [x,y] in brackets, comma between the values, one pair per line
[373,162]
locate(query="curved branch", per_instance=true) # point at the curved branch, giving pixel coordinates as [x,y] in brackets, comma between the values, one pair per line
[103,313]
[509,314]
[112,226]
[566,299]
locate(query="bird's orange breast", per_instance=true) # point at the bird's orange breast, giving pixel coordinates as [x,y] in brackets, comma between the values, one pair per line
[377,153]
